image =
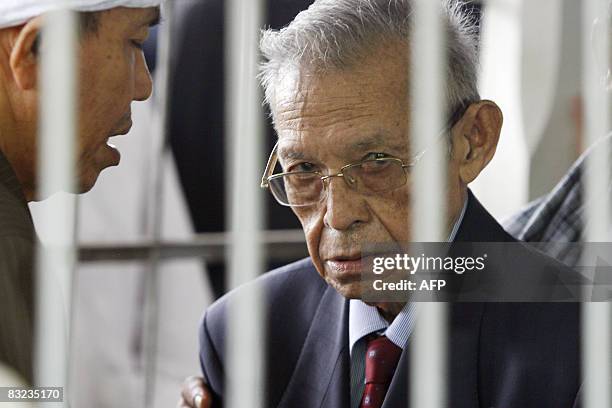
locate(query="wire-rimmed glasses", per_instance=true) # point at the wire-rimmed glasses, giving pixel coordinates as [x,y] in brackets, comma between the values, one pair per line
[305,188]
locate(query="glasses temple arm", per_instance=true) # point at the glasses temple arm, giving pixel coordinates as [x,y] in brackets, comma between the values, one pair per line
[269,167]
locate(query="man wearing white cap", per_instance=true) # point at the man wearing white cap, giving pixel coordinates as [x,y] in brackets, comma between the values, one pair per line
[112,73]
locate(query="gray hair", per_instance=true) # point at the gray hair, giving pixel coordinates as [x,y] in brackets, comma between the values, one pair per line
[338,33]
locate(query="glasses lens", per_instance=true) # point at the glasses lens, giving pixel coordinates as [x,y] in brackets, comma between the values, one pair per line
[375,176]
[297,189]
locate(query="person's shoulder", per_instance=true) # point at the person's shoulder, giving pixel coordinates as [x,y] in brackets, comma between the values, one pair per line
[289,295]
[288,285]
[534,256]
[294,275]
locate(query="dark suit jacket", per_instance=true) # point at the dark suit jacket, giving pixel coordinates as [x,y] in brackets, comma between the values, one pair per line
[17,240]
[502,355]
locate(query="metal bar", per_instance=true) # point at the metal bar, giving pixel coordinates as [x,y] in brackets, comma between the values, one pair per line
[154,211]
[56,261]
[279,245]
[428,357]
[596,317]
[244,124]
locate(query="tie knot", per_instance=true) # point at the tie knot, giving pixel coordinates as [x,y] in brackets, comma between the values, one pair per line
[381,359]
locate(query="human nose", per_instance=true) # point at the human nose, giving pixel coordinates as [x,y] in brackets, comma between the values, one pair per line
[345,208]
[348,178]
[144,82]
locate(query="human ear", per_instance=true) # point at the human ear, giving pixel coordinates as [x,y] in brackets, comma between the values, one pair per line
[24,54]
[476,136]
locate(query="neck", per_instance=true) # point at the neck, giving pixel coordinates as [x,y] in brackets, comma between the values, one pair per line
[454,211]
[29,194]
[389,311]
[16,143]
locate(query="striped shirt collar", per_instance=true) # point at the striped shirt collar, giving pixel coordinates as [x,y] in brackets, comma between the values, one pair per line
[365,319]
[455,229]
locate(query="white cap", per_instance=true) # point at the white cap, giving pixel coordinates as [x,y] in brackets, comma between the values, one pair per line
[16,12]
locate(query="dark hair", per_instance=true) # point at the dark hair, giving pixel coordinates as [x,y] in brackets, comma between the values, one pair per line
[89,22]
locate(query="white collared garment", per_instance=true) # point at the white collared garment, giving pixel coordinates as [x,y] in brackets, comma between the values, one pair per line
[365,320]
[16,12]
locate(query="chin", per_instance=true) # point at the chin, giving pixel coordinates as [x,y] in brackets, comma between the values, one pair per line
[86,183]
[84,188]
[349,291]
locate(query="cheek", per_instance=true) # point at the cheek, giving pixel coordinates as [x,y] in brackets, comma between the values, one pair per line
[103,105]
[312,224]
[107,77]
[393,212]
[94,99]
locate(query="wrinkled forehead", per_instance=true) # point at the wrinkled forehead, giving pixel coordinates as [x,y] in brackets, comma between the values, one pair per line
[343,110]
[379,71]
[307,99]
[336,131]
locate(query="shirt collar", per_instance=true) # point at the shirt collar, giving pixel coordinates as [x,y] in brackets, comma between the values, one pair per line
[365,319]
[458,221]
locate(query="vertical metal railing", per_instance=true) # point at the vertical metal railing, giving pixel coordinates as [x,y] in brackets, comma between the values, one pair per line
[155,193]
[428,357]
[596,317]
[56,172]
[244,124]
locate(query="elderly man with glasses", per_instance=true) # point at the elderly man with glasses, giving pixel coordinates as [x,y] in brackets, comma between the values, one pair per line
[336,81]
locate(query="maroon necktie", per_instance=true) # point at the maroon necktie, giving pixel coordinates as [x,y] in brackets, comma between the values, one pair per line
[381,359]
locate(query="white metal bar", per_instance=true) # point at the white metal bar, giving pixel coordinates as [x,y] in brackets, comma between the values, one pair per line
[428,357]
[244,124]
[596,317]
[56,261]
[154,210]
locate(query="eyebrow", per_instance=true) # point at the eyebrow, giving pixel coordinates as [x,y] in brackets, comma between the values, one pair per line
[289,153]
[374,142]
[367,143]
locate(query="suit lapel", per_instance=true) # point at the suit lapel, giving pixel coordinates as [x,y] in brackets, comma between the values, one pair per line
[465,320]
[321,375]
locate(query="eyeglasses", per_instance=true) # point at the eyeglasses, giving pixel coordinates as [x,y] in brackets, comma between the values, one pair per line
[305,188]
[367,177]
